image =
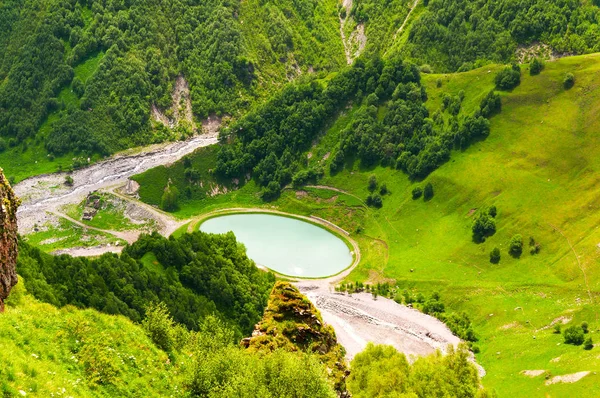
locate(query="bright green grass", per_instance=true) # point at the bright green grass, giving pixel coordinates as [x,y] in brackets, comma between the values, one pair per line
[67,235]
[150,261]
[539,166]
[19,163]
[47,352]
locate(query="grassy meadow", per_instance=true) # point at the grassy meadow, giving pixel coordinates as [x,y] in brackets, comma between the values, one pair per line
[539,167]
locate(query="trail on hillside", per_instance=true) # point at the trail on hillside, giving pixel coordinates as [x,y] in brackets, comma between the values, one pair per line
[401,28]
[587,286]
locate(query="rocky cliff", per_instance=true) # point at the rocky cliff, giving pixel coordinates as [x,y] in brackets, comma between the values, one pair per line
[292,323]
[8,239]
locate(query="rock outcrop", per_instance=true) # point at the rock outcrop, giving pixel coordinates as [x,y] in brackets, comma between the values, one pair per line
[8,239]
[292,323]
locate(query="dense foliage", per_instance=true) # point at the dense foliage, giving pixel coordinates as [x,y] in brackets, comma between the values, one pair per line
[456,35]
[195,275]
[93,69]
[381,371]
[292,323]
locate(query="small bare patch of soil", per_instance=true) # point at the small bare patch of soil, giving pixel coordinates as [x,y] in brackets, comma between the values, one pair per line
[509,326]
[301,194]
[570,378]
[533,373]
[471,212]
[332,199]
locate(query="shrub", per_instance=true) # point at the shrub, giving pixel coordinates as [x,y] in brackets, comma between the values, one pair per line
[383,189]
[438,83]
[569,80]
[372,182]
[374,200]
[573,335]
[536,66]
[588,344]
[69,181]
[557,328]
[585,327]
[271,191]
[490,104]
[3,145]
[169,199]
[426,68]
[492,211]
[508,78]
[433,306]
[495,256]
[428,191]
[483,226]
[515,248]
[416,193]
[158,325]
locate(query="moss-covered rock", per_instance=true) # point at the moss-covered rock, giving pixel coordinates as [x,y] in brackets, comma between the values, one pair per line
[291,322]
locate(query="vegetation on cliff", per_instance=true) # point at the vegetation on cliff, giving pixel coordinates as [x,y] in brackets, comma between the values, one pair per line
[194,275]
[292,323]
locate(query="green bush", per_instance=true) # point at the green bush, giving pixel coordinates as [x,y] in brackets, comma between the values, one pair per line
[536,66]
[515,247]
[372,182]
[490,104]
[585,327]
[169,199]
[495,256]
[428,192]
[573,335]
[508,78]
[484,225]
[588,344]
[569,80]
[417,192]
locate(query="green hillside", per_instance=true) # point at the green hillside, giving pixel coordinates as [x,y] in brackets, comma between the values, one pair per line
[81,78]
[538,167]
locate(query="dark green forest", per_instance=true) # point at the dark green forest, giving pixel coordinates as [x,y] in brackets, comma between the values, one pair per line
[458,35]
[91,70]
[195,275]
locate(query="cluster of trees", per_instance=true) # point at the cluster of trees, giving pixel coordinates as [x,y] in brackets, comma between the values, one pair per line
[269,141]
[195,275]
[457,35]
[576,335]
[382,371]
[484,224]
[408,137]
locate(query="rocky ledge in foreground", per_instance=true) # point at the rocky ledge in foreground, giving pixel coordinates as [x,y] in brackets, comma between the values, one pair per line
[8,239]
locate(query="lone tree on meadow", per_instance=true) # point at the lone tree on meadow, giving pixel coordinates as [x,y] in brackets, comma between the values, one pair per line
[515,248]
[573,335]
[372,182]
[428,192]
[170,196]
[495,256]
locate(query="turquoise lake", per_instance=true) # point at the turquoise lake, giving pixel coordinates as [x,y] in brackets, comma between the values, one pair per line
[285,245]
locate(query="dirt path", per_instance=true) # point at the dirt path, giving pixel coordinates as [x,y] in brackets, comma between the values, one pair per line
[587,286]
[127,236]
[401,28]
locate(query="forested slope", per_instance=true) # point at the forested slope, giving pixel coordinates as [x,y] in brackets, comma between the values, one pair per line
[195,276]
[81,77]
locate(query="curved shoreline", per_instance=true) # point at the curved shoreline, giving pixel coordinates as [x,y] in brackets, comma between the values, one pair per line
[339,232]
